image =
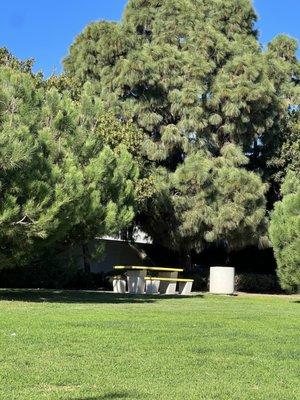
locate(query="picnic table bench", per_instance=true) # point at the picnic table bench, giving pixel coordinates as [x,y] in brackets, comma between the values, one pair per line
[138,279]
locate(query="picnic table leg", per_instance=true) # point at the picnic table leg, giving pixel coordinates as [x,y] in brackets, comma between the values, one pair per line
[119,285]
[168,287]
[185,288]
[136,281]
[152,286]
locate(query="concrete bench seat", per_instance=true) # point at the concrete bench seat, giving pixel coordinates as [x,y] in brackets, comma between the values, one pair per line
[155,284]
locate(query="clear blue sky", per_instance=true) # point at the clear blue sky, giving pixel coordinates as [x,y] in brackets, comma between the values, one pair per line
[44,30]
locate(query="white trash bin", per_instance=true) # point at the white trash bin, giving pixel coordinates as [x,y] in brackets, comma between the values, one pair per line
[119,285]
[222,280]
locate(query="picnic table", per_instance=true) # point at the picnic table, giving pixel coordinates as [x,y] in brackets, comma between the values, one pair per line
[139,278]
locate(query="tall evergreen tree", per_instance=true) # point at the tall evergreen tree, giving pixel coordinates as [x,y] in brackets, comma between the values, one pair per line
[60,180]
[193,76]
[216,199]
[211,200]
[285,232]
[9,60]
[184,68]
[280,153]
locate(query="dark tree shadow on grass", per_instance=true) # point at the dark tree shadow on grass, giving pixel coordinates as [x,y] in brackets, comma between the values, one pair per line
[88,297]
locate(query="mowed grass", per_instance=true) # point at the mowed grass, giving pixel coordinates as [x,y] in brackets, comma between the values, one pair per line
[92,346]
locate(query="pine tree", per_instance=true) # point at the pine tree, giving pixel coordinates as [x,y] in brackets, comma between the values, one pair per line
[61,182]
[9,60]
[285,232]
[213,199]
[216,199]
[184,68]
[192,75]
[286,156]
[280,153]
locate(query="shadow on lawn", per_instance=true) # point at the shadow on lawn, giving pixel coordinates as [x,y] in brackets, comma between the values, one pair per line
[68,296]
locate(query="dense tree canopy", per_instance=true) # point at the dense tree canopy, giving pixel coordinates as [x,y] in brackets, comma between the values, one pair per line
[174,119]
[285,232]
[192,75]
[212,199]
[185,69]
[60,180]
[216,199]
[287,155]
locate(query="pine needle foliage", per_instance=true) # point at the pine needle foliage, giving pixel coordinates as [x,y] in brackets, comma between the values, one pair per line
[62,180]
[217,199]
[193,76]
[285,232]
[184,67]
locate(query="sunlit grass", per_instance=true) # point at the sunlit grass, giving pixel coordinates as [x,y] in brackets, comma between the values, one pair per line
[92,346]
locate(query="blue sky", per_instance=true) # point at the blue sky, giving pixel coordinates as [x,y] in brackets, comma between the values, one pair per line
[45,29]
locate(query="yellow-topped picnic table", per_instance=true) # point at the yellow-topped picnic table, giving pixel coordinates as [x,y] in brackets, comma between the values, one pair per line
[165,281]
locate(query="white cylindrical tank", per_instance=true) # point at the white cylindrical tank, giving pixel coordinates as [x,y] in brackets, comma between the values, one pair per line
[222,280]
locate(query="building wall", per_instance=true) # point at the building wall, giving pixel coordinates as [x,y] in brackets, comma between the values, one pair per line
[116,253]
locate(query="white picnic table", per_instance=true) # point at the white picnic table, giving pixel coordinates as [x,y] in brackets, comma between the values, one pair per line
[165,282]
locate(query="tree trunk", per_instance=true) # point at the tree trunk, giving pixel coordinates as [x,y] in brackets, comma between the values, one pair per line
[86,258]
[185,259]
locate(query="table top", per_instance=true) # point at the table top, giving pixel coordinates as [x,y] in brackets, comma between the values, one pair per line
[145,268]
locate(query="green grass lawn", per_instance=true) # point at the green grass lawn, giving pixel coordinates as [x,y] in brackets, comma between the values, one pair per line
[92,346]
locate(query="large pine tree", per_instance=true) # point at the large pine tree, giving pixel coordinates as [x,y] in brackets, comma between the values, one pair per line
[285,232]
[187,70]
[62,180]
[193,76]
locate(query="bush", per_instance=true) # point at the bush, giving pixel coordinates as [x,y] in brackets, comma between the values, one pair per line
[285,233]
[200,280]
[35,277]
[257,283]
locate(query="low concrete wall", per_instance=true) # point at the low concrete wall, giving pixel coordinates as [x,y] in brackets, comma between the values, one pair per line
[116,253]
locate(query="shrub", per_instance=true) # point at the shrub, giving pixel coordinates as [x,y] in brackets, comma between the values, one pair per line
[257,283]
[200,280]
[37,276]
[285,233]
